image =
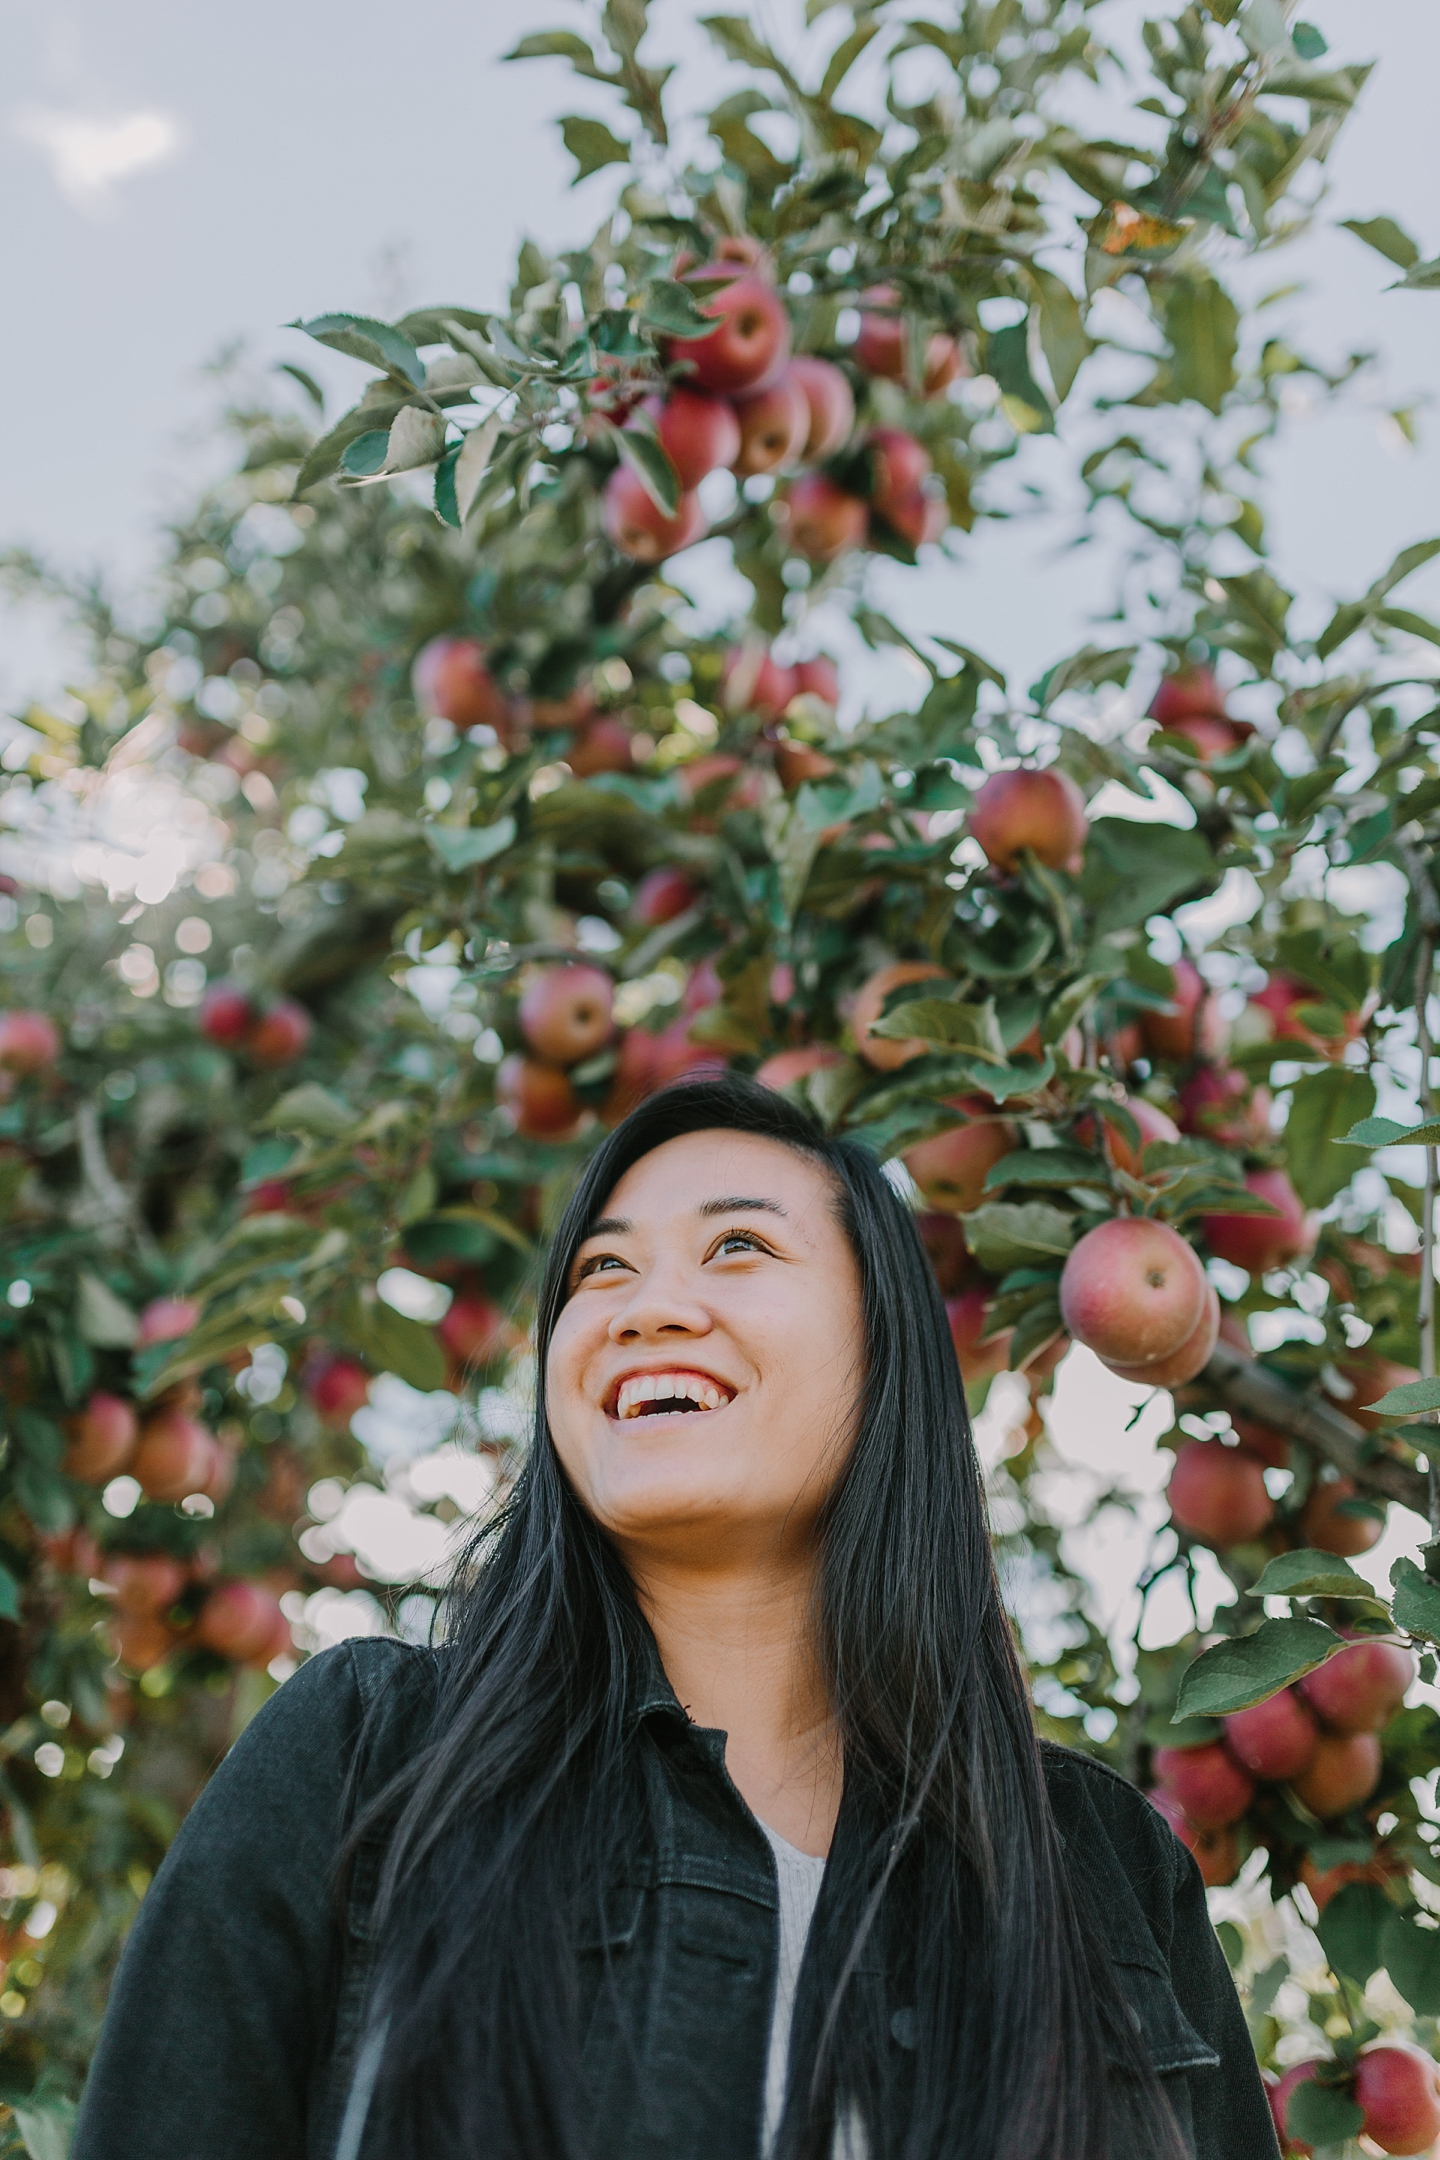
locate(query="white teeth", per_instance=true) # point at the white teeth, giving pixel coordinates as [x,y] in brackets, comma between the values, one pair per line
[642,1388]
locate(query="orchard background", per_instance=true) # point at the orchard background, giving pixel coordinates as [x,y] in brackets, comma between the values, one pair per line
[451,803]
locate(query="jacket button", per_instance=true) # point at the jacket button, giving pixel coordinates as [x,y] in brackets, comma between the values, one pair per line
[905,2029]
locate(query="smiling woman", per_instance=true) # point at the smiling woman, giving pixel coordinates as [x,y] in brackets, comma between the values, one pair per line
[718,1826]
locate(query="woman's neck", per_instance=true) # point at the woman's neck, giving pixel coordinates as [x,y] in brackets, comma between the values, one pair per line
[736,1647]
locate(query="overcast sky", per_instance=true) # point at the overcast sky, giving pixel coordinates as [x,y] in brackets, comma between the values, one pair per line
[175,177]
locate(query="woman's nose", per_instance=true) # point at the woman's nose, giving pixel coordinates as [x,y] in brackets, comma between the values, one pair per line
[664,1303]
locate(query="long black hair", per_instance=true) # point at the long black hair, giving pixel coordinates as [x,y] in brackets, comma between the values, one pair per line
[502,1831]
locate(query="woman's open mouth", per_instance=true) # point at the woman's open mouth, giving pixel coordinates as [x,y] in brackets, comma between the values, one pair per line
[664,1394]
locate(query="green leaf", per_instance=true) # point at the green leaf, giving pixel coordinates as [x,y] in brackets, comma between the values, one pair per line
[365,339]
[670,307]
[325,456]
[1323,1105]
[1308,41]
[1233,1675]
[1310,1574]
[1322,2115]
[1384,1132]
[9,1596]
[310,1109]
[366,455]
[306,381]
[736,39]
[649,458]
[846,53]
[462,847]
[1416,1601]
[554,44]
[1386,237]
[939,1020]
[1055,1167]
[447,505]
[1007,358]
[1084,670]
[1134,871]
[392,1343]
[1421,277]
[1202,325]
[1349,1930]
[1005,1234]
[1063,336]
[104,1320]
[592,145]
[1411,1956]
[1411,1399]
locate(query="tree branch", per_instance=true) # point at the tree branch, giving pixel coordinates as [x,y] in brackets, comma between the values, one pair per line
[1240,1383]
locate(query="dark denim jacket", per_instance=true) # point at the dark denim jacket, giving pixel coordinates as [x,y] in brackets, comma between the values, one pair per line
[239,2005]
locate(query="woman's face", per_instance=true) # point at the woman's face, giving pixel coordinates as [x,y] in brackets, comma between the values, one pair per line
[704,1376]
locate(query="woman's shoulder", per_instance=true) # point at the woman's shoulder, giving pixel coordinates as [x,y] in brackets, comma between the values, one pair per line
[1089,1799]
[371,1692]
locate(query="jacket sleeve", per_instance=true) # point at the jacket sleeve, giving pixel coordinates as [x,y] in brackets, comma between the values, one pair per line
[222,1997]
[1231,2111]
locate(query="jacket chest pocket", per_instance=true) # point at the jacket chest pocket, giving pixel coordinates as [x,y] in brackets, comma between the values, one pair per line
[1173,2046]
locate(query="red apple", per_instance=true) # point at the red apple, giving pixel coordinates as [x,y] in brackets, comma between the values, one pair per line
[1370,1378]
[1153,1123]
[951,1168]
[917,516]
[898,464]
[797,762]
[1217,1852]
[774,425]
[1217,1494]
[565,1012]
[698,433]
[101,1438]
[338,1388]
[1324,1529]
[943,1237]
[1183,1364]
[242,1621]
[606,745]
[884,1052]
[1360,1689]
[226,1015]
[166,1319]
[175,1457]
[1329,1882]
[474,1330]
[1188,694]
[1194,1029]
[1208,738]
[753,681]
[1212,1788]
[1283,998]
[1262,1242]
[967,1316]
[880,346]
[539,1098]
[1343,1771]
[29,1042]
[1219,1103]
[787,1066]
[1265,1442]
[145,1584]
[1042,811]
[1399,2089]
[1298,2074]
[831,405]
[279,1037]
[637,526]
[819,678]
[822,520]
[661,895]
[752,343]
[1132,1290]
[1274,1739]
[451,682]
[140,1642]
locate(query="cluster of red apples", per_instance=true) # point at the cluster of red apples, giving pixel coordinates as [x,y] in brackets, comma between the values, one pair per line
[1396,2087]
[739,399]
[1318,1738]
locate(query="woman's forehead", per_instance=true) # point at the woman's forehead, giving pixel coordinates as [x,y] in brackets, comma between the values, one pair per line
[704,1173]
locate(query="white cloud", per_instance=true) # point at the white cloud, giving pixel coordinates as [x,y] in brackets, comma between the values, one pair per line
[89,157]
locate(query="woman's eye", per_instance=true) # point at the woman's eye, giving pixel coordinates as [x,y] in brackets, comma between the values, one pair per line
[739,1241]
[593,1266]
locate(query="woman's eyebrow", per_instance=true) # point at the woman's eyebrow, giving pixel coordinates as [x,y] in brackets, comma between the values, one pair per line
[610,1226]
[735,1205]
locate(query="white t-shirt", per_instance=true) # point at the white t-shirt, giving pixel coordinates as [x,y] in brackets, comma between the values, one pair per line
[799,1875]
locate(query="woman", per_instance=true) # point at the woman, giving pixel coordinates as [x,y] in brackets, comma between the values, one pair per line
[717,1827]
